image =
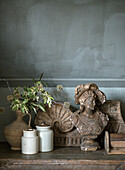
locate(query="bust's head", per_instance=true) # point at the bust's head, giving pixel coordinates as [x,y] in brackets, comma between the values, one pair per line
[88,95]
[88,99]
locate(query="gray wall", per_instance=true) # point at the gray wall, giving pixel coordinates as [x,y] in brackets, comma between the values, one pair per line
[62,38]
[70,41]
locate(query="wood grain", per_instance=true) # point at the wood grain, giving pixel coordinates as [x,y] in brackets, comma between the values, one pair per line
[119,144]
[117,136]
[60,158]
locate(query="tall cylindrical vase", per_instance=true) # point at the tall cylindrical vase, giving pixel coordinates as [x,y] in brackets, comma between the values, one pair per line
[45,138]
[14,131]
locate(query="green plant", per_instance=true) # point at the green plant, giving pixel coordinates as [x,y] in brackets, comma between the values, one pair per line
[31,98]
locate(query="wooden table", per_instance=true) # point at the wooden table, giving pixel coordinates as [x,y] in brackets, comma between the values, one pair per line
[61,158]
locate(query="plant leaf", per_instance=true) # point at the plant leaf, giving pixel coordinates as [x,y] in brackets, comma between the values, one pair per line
[44,83]
[41,107]
[34,109]
[22,109]
[25,101]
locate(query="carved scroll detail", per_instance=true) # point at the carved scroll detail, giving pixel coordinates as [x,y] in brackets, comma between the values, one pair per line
[57,117]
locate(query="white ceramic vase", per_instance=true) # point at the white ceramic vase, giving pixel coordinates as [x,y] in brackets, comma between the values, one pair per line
[29,142]
[45,138]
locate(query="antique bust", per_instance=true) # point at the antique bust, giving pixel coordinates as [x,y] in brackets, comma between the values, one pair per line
[89,120]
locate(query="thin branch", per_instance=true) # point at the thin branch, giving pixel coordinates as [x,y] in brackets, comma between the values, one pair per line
[29,123]
[41,77]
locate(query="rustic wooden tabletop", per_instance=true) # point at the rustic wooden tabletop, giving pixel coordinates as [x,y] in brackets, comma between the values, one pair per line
[60,158]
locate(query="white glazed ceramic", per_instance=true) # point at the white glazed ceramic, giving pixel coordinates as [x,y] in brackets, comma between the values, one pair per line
[45,138]
[29,142]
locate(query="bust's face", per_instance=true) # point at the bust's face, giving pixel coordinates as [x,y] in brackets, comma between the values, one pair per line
[90,103]
[87,99]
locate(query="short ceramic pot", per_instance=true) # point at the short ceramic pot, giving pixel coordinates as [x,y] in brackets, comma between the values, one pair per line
[29,142]
[45,138]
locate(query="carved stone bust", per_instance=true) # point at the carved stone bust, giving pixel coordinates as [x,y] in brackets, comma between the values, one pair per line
[89,120]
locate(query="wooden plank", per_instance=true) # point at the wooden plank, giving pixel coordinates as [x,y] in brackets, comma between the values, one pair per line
[115,144]
[117,151]
[60,158]
[117,136]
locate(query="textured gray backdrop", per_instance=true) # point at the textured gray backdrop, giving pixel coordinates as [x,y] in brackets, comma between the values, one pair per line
[70,41]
